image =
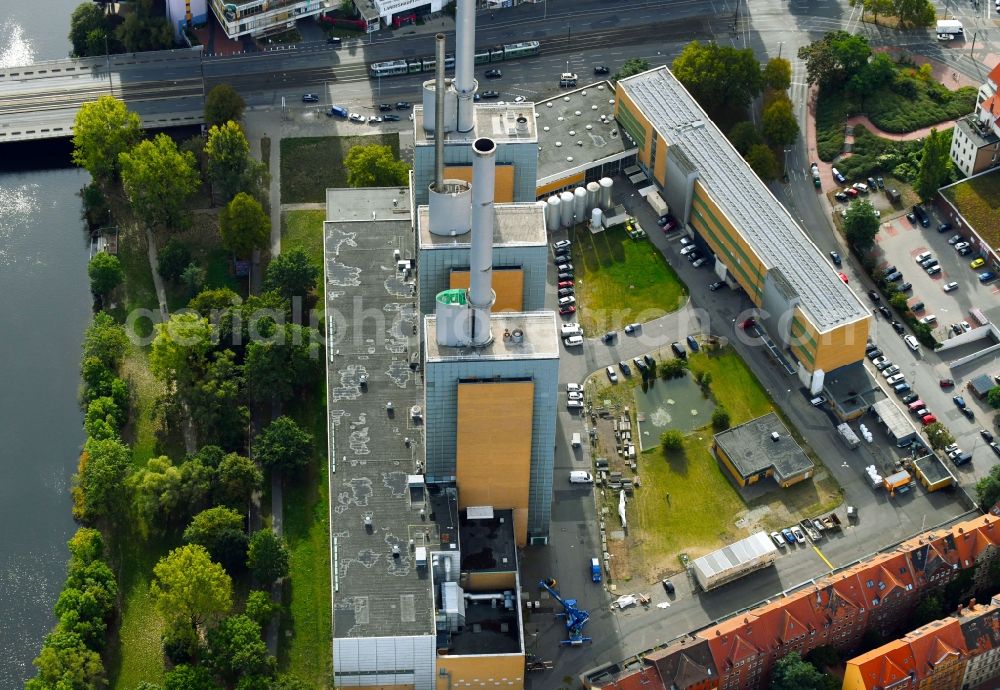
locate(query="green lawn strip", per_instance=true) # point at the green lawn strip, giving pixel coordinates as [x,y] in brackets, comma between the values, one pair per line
[304,230]
[144,424]
[306,652]
[311,165]
[978,200]
[139,291]
[620,280]
[137,653]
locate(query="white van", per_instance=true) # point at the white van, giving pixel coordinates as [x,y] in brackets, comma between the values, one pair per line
[568,329]
[580,477]
[576,440]
[911,342]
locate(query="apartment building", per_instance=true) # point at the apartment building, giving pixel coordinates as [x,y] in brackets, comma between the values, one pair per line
[838,610]
[975,143]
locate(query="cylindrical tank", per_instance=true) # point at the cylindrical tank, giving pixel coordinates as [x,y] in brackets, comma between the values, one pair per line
[453,314]
[552,213]
[566,209]
[605,202]
[450,209]
[430,107]
[595,219]
[593,193]
[580,204]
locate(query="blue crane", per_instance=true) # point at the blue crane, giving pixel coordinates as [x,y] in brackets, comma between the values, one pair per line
[575,617]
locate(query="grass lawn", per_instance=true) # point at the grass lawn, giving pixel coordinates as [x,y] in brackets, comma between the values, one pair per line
[139,291]
[687,504]
[303,230]
[205,244]
[306,652]
[978,200]
[619,280]
[310,165]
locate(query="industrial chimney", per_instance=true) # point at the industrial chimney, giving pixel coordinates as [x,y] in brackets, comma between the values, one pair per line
[448,201]
[481,295]
[465,59]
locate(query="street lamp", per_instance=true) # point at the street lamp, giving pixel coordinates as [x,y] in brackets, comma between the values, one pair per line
[780,45]
[787,151]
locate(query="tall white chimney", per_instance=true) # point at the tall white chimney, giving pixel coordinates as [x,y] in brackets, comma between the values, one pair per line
[465,62]
[481,295]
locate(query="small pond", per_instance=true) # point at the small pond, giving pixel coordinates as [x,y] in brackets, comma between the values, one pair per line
[674,404]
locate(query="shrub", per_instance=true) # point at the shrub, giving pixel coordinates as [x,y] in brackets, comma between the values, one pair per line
[673,369]
[672,440]
[720,419]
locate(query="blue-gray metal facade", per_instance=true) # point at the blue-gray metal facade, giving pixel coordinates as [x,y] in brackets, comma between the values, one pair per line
[522,155]
[436,266]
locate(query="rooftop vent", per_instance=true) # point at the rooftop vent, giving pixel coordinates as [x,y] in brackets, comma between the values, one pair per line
[775,436]
[558,144]
[577,113]
[569,159]
[566,98]
[545,128]
[590,127]
[594,107]
[572,132]
[517,335]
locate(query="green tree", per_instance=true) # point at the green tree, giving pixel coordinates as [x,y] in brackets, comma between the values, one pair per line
[193,278]
[98,485]
[143,29]
[792,673]
[217,401]
[166,495]
[283,445]
[778,74]
[778,123]
[988,489]
[915,13]
[173,259]
[180,349]
[673,368]
[833,59]
[993,397]
[102,131]
[744,136]
[928,609]
[879,72]
[236,650]
[899,302]
[935,165]
[938,435]
[267,556]
[236,479]
[260,608]
[189,590]
[105,271]
[188,677]
[374,165]
[720,419]
[672,440]
[761,160]
[723,79]
[291,274]
[876,7]
[87,19]
[631,67]
[230,168]
[861,224]
[105,340]
[282,363]
[223,104]
[220,531]
[85,546]
[159,180]
[244,225]
[103,419]
[65,662]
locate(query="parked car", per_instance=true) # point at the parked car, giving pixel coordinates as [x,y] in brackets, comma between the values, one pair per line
[391,118]
[960,246]
[574,404]
[986,434]
[898,327]
[909,398]
[625,368]
[959,402]
[609,336]
[946,383]
[837,176]
[601,69]
[933,270]
[567,300]
[880,182]
[310,98]
[333,40]
[911,342]
[385,107]
[894,380]
[835,257]
[977,263]
[799,536]
[716,285]
[894,277]
[890,371]
[494,73]
[874,354]
[490,94]
[564,283]
[879,361]
[567,310]
[574,395]
[929,319]
[564,292]
[612,376]
[904,287]
[987,276]
[912,218]
[884,311]
[788,536]
[668,586]
[944,227]
[573,341]
[562,244]
[874,296]
[403,105]
[632,328]
[948,287]
[356,117]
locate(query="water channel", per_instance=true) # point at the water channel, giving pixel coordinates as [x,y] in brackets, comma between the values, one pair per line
[44,308]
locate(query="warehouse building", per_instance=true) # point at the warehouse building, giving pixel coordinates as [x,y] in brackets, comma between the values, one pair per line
[896,425]
[762,448]
[734,561]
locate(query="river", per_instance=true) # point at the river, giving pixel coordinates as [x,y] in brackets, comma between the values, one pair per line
[44,309]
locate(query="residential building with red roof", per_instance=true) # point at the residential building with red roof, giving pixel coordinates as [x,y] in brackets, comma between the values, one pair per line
[975,144]
[879,594]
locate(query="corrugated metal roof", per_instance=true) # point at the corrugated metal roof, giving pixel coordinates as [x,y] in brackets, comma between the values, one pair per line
[728,557]
[761,219]
[893,418]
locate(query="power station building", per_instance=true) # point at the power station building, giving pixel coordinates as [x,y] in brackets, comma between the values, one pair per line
[438,346]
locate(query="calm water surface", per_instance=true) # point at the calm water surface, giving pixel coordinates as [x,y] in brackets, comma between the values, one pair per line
[44,308]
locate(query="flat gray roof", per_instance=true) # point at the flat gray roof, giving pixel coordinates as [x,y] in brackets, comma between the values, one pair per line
[513,225]
[751,449]
[895,421]
[747,202]
[932,467]
[743,551]
[493,120]
[578,125]
[387,203]
[540,340]
[375,594]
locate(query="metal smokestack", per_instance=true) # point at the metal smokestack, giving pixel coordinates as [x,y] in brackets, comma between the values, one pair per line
[465,59]
[439,112]
[481,296]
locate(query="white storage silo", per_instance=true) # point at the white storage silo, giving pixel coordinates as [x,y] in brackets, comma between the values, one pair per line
[552,213]
[596,218]
[593,194]
[566,209]
[606,193]
[580,204]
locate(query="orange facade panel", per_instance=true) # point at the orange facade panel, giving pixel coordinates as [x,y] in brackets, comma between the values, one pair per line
[493,447]
[575,179]
[508,284]
[481,671]
[503,185]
